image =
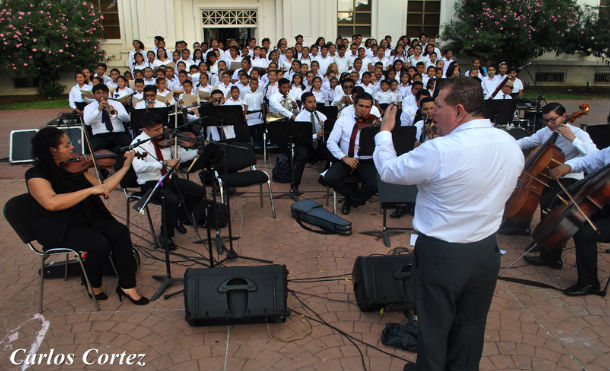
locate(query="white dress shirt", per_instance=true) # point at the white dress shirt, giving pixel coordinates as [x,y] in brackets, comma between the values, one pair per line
[276,107]
[343,64]
[142,105]
[305,116]
[591,162]
[385,97]
[75,95]
[463,179]
[148,168]
[351,111]
[254,101]
[582,144]
[339,138]
[93,117]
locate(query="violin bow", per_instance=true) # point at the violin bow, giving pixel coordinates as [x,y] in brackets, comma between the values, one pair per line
[565,190]
[88,143]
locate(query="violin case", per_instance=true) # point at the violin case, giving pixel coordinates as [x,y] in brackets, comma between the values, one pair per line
[236,295]
[311,212]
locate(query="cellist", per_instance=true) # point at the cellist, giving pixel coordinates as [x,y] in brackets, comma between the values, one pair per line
[573,142]
[586,238]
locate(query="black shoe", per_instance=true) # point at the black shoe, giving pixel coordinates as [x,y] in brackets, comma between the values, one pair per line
[514,230]
[409,366]
[579,290]
[346,207]
[399,212]
[180,227]
[170,243]
[537,260]
[121,293]
[98,297]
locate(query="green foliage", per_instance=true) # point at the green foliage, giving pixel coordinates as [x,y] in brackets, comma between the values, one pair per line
[517,31]
[43,38]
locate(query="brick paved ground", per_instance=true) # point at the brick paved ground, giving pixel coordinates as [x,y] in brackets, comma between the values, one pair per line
[527,327]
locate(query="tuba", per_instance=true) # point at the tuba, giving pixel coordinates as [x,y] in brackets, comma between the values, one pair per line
[287,104]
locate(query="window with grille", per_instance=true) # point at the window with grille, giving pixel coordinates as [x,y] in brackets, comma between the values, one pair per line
[603,77]
[353,17]
[423,16]
[110,11]
[228,17]
[25,82]
[550,76]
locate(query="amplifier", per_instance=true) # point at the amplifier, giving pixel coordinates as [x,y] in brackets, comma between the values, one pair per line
[21,145]
[383,280]
[236,295]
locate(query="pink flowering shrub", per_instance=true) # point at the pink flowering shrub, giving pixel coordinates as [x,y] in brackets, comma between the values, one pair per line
[42,38]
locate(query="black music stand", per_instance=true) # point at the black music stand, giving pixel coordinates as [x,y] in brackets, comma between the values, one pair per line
[500,111]
[221,116]
[392,196]
[287,134]
[166,280]
[137,117]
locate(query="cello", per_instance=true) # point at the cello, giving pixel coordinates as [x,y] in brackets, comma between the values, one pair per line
[567,219]
[536,174]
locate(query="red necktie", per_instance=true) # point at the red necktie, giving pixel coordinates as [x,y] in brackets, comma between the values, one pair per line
[352,141]
[159,155]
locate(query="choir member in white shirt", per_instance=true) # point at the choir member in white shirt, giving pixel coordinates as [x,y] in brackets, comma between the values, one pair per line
[343,62]
[177,191]
[305,57]
[246,66]
[122,89]
[225,85]
[380,57]
[317,91]
[384,96]
[148,77]
[409,104]
[253,110]
[454,223]
[75,98]
[304,153]
[344,98]
[150,99]
[257,60]
[139,63]
[490,82]
[324,59]
[343,143]
[162,58]
[243,84]
[297,88]
[367,65]
[234,99]
[108,132]
[504,93]
[271,87]
[417,56]
[366,83]
[517,84]
[138,47]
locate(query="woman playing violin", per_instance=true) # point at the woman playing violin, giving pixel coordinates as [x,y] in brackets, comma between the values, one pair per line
[67,212]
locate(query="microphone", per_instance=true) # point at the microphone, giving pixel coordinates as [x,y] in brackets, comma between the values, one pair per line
[525,65]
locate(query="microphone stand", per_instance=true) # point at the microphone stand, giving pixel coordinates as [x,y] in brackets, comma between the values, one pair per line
[539,99]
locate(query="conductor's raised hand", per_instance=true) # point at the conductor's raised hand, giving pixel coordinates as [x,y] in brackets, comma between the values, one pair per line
[389,118]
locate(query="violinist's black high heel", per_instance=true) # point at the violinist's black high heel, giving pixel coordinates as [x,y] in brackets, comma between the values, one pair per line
[101,296]
[121,293]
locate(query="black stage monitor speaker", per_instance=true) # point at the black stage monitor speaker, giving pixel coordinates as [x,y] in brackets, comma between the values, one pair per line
[236,295]
[75,133]
[21,145]
[382,280]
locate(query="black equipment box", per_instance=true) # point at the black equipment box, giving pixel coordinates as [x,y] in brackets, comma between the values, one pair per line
[382,280]
[236,295]
[311,212]
[21,145]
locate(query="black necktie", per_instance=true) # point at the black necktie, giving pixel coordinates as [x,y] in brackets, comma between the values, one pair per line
[106,120]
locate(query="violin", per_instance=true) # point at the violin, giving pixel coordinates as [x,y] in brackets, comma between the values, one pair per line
[367,121]
[536,174]
[103,158]
[568,218]
[186,139]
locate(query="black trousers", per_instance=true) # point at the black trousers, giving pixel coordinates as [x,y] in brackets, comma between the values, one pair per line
[112,142]
[303,154]
[454,285]
[256,134]
[365,172]
[548,200]
[98,240]
[586,246]
[193,195]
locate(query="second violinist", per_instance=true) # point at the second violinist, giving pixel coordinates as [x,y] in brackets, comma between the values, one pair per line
[151,168]
[573,142]
[343,143]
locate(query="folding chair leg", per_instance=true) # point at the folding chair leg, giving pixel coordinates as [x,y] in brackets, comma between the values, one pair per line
[152,229]
[327,195]
[41,282]
[334,202]
[88,286]
[260,194]
[66,267]
[271,197]
[116,273]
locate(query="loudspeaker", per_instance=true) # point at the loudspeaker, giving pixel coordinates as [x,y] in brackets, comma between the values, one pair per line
[383,280]
[600,134]
[236,295]
[21,145]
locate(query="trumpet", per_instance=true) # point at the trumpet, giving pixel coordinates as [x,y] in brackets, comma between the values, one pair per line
[112,112]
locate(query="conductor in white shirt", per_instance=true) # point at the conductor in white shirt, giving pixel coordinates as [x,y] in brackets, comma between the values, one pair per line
[464,178]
